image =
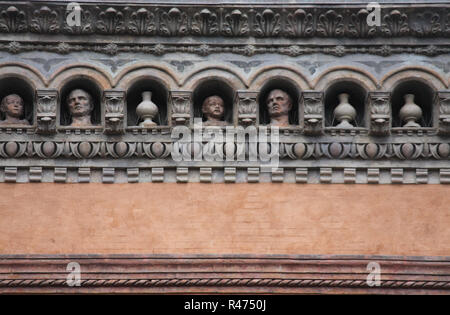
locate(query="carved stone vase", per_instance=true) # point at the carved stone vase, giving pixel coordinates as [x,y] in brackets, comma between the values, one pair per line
[147,110]
[410,112]
[344,112]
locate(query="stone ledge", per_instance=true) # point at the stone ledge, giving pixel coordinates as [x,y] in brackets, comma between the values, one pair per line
[225,274]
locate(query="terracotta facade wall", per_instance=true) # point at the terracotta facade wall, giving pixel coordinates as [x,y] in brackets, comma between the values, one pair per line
[194,218]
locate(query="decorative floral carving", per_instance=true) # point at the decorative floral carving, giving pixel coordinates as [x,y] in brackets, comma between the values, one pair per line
[427,24]
[330,24]
[45,20]
[141,22]
[395,24]
[358,27]
[443,100]
[267,23]
[299,24]
[13,20]
[86,26]
[111,21]
[235,24]
[205,23]
[173,23]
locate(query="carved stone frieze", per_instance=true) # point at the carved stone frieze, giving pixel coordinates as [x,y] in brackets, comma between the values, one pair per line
[273,21]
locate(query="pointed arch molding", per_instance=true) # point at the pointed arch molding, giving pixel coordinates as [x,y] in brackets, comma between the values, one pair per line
[225,274]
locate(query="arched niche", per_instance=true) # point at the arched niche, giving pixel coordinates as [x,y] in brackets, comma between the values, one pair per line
[357,98]
[16,85]
[159,97]
[209,88]
[423,96]
[288,87]
[90,87]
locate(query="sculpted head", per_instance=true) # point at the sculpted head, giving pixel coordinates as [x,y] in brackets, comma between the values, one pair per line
[279,103]
[80,105]
[213,109]
[12,106]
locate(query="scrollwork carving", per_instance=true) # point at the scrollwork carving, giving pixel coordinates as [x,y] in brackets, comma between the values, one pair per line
[46,110]
[443,102]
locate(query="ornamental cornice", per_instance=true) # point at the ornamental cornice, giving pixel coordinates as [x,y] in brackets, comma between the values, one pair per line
[238,21]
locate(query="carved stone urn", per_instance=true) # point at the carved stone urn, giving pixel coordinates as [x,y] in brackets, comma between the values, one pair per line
[344,112]
[410,112]
[147,110]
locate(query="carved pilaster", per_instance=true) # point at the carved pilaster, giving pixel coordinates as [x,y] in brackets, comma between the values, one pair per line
[246,107]
[181,107]
[46,110]
[313,112]
[114,110]
[443,99]
[380,113]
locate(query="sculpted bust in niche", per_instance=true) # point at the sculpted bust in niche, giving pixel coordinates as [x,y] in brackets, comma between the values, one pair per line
[80,105]
[279,103]
[12,107]
[213,110]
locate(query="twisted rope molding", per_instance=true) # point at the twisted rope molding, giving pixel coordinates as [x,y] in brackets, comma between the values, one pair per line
[229,282]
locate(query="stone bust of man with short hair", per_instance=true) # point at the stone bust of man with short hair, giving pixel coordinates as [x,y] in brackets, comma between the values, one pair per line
[12,107]
[80,105]
[213,110]
[279,103]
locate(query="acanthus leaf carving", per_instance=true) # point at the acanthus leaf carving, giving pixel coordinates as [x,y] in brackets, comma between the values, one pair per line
[114,110]
[110,21]
[443,99]
[267,23]
[427,24]
[300,24]
[246,105]
[46,110]
[205,23]
[86,26]
[380,113]
[181,107]
[141,22]
[235,24]
[45,20]
[358,27]
[395,24]
[313,112]
[173,23]
[13,20]
[330,24]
